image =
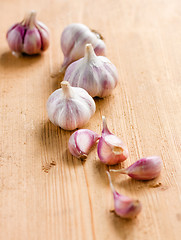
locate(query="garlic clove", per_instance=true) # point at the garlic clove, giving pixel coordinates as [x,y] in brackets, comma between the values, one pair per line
[125,207]
[73,40]
[70,107]
[29,36]
[143,169]
[32,42]
[81,142]
[15,38]
[44,33]
[96,74]
[111,149]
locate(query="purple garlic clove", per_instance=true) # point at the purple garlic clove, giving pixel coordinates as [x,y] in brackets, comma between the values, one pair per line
[73,40]
[143,169]
[96,74]
[81,142]
[111,149]
[29,36]
[124,206]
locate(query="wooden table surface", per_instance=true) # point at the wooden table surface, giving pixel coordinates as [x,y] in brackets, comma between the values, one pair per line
[72,200]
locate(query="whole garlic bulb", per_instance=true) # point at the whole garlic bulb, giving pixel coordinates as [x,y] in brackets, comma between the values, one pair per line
[96,74]
[29,36]
[70,107]
[73,40]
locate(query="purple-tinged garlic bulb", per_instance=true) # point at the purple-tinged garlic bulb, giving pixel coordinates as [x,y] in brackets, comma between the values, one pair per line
[124,206]
[73,40]
[96,74]
[111,149]
[29,36]
[144,169]
[70,107]
[81,142]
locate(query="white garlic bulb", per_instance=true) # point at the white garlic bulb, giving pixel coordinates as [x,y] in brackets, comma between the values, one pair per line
[73,40]
[70,107]
[96,74]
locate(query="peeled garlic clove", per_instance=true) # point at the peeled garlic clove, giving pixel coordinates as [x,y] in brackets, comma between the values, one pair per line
[96,74]
[81,142]
[125,207]
[111,150]
[29,36]
[70,107]
[73,40]
[143,169]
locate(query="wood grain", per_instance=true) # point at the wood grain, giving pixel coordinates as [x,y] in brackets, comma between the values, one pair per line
[47,194]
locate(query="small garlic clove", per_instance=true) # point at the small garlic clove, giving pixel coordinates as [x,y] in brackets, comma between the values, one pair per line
[81,142]
[125,207]
[29,36]
[73,40]
[96,74]
[111,149]
[70,107]
[143,169]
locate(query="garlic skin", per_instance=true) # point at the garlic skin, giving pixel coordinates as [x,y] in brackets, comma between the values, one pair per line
[29,36]
[70,107]
[144,169]
[73,40]
[124,206]
[111,150]
[96,74]
[81,142]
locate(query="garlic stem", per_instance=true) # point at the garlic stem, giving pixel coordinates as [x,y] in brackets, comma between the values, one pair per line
[110,182]
[105,128]
[66,88]
[89,52]
[30,20]
[123,170]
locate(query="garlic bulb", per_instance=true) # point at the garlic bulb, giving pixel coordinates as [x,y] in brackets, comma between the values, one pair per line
[125,207]
[29,36]
[73,40]
[81,142]
[96,74]
[70,107]
[143,169]
[111,149]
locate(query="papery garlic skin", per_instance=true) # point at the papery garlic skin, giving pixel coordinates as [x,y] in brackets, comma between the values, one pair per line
[29,36]
[73,40]
[70,107]
[124,206]
[81,142]
[111,149]
[96,74]
[144,169]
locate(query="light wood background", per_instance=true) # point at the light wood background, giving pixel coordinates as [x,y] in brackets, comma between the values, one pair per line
[45,193]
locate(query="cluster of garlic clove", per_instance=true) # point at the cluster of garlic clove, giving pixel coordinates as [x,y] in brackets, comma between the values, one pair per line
[29,36]
[70,107]
[96,74]
[111,150]
[73,40]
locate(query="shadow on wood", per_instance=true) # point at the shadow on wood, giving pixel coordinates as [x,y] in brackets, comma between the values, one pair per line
[7,60]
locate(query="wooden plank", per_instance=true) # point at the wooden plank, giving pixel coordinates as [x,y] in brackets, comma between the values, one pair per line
[72,200]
